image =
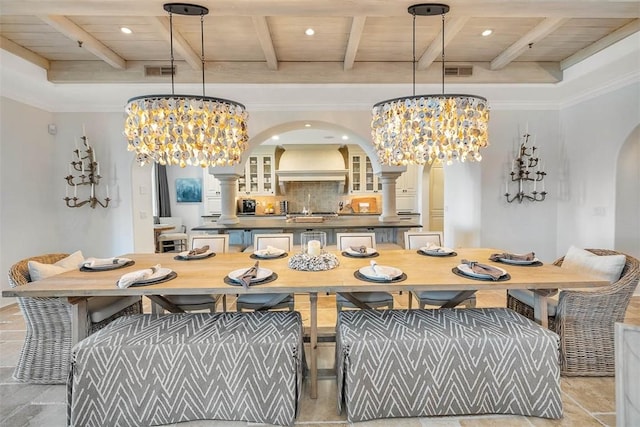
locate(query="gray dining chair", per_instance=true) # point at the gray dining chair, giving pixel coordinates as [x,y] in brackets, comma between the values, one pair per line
[416,240]
[252,301]
[372,299]
[175,239]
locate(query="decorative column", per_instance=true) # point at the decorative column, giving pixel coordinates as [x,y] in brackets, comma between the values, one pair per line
[228,190]
[389,213]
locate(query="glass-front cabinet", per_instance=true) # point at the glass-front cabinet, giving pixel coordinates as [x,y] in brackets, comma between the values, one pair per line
[259,176]
[361,177]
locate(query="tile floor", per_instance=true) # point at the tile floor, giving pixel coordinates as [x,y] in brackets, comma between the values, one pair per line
[587,401]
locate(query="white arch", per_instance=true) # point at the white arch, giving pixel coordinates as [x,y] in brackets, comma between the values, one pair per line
[627,204]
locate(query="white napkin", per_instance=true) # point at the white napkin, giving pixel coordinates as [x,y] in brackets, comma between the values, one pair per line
[271,250]
[135,276]
[435,248]
[378,273]
[102,262]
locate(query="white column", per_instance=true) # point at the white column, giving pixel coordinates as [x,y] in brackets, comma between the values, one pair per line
[228,190]
[389,213]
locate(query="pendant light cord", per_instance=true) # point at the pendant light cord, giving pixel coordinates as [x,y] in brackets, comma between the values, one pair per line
[173,70]
[202,48]
[414,54]
[443,53]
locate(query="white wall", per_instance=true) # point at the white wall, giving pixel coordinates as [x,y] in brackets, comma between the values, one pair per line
[628,196]
[592,135]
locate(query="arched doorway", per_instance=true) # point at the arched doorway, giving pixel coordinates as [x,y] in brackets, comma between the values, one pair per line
[627,221]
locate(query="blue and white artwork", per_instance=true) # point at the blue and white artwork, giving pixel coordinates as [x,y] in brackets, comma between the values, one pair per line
[188,190]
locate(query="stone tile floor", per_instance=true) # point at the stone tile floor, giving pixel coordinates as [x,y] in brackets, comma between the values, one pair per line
[587,401]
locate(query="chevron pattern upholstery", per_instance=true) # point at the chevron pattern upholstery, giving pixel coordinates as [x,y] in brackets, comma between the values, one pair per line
[415,363]
[148,370]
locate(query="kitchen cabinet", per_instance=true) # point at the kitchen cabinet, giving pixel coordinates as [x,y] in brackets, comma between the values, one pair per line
[361,177]
[259,176]
[406,190]
[212,194]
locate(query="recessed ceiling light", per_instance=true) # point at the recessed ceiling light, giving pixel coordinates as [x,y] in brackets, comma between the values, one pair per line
[307,125]
[275,137]
[309,31]
[345,137]
[126,30]
[486,33]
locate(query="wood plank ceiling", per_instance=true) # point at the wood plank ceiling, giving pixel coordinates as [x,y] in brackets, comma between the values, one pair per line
[359,41]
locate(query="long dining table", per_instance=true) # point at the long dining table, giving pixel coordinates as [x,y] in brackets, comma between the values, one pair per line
[207,276]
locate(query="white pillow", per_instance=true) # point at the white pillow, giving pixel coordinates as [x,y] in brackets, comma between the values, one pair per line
[39,270]
[608,267]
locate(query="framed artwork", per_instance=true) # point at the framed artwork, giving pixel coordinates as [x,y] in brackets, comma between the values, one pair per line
[188,190]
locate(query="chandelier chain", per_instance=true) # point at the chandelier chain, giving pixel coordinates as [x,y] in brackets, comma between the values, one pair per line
[414,54]
[202,48]
[171,47]
[443,53]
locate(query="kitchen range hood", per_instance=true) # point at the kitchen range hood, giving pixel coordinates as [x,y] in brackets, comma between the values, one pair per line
[312,162]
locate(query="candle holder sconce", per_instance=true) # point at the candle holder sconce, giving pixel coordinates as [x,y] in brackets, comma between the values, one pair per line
[527,171]
[84,170]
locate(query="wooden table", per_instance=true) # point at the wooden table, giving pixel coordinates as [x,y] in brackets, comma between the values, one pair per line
[157,231]
[207,277]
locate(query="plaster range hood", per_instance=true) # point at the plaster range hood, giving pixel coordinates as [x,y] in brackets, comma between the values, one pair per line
[312,163]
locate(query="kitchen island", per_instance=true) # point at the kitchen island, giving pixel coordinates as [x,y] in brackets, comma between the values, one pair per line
[386,232]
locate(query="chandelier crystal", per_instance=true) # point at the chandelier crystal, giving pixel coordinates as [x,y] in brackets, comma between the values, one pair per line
[421,129]
[186,129]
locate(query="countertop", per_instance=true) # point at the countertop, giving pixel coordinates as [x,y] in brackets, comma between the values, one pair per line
[339,222]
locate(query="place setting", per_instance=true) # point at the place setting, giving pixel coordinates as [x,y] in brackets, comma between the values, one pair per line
[477,271]
[147,276]
[521,260]
[195,254]
[270,252]
[379,273]
[252,276]
[431,249]
[105,264]
[360,252]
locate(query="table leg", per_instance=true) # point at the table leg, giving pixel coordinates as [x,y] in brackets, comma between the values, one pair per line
[355,301]
[463,295]
[79,320]
[313,345]
[165,303]
[540,313]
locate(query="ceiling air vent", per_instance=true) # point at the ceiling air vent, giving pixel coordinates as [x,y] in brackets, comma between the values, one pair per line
[466,71]
[154,71]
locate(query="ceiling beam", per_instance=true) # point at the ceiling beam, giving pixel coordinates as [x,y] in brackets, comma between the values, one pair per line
[266,42]
[539,32]
[23,53]
[619,34]
[180,45]
[452,28]
[90,43]
[357,27]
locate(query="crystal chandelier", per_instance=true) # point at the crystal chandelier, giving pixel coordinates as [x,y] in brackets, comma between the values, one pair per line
[421,129]
[186,129]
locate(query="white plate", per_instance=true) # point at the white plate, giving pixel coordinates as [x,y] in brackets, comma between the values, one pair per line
[465,269]
[518,261]
[160,274]
[262,274]
[392,272]
[441,251]
[268,253]
[185,254]
[121,262]
[370,251]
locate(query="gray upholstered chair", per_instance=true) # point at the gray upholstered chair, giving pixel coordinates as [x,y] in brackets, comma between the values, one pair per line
[176,238]
[372,299]
[416,240]
[218,243]
[44,358]
[585,320]
[282,241]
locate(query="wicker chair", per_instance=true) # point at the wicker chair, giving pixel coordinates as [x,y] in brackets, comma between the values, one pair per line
[44,358]
[585,321]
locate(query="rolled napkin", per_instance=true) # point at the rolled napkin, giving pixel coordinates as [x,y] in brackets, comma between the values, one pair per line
[505,255]
[378,273]
[360,249]
[198,251]
[135,276]
[476,267]
[103,262]
[249,274]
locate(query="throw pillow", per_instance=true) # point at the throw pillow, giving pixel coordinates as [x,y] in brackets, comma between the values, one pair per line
[39,270]
[608,267]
